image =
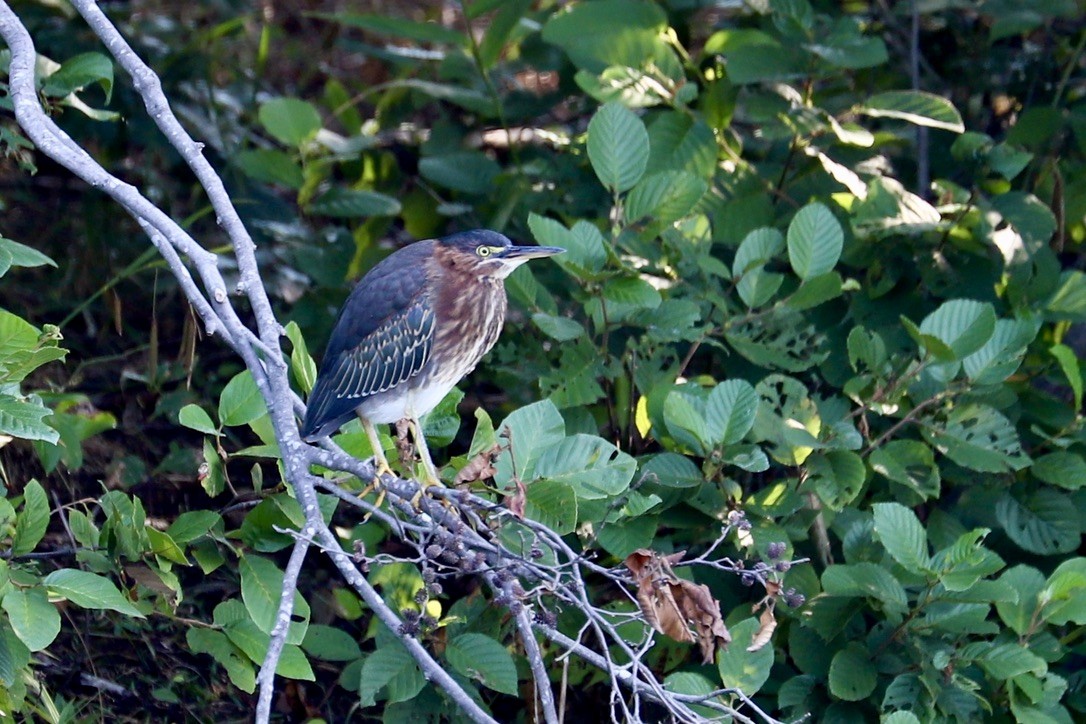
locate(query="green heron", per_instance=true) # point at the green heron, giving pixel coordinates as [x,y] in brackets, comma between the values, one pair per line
[416,324]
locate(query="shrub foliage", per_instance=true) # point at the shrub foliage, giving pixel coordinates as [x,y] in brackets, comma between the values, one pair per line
[821,293]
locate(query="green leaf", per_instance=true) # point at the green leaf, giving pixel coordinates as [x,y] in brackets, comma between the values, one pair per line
[867,580]
[1028,582]
[1004,661]
[684,416]
[192,524]
[837,476]
[165,547]
[301,364]
[681,142]
[212,472]
[816,291]
[909,462]
[424,32]
[963,325]
[1001,355]
[754,56]
[441,424]
[88,590]
[341,203]
[626,295]
[664,197]
[585,247]
[591,466]
[1063,469]
[472,172]
[730,410]
[291,121]
[23,419]
[618,146]
[1046,522]
[330,644]
[533,429]
[757,248]
[815,240]
[687,682]
[33,619]
[196,418]
[1064,594]
[77,73]
[852,675]
[903,536]
[215,643]
[623,538]
[1068,301]
[552,503]
[271,166]
[261,588]
[561,329]
[672,471]
[916,107]
[741,669]
[848,49]
[482,658]
[1068,362]
[33,519]
[606,33]
[24,256]
[241,402]
[393,667]
[979,438]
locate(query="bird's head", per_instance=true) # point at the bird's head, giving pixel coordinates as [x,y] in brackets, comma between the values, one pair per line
[490,254]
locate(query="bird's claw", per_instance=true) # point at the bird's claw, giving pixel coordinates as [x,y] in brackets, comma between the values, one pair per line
[380,469]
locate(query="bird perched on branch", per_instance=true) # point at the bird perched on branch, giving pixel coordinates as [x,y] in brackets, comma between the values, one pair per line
[416,324]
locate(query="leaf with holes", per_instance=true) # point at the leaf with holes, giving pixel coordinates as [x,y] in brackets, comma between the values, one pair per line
[979,438]
[909,462]
[837,476]
[1045,522]
[779,341]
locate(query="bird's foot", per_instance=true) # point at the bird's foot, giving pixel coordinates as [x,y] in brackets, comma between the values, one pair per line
[380,469]
[427,480]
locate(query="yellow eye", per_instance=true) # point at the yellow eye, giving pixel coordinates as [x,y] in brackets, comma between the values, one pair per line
[482,250]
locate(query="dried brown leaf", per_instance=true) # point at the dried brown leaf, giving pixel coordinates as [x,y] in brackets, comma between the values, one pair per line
[480,467]
[677,608]
[516,501]
[767,624]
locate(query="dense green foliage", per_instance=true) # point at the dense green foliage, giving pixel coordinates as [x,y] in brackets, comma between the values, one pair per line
[764,308]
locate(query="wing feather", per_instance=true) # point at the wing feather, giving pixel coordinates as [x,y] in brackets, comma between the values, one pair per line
[383,338]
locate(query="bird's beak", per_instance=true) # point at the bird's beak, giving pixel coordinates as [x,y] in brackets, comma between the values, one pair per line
[530,252]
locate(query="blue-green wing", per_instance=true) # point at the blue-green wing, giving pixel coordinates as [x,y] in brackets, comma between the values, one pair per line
[383,337]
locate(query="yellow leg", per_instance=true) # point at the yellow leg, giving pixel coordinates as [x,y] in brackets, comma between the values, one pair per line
[380,464]
[429,471]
